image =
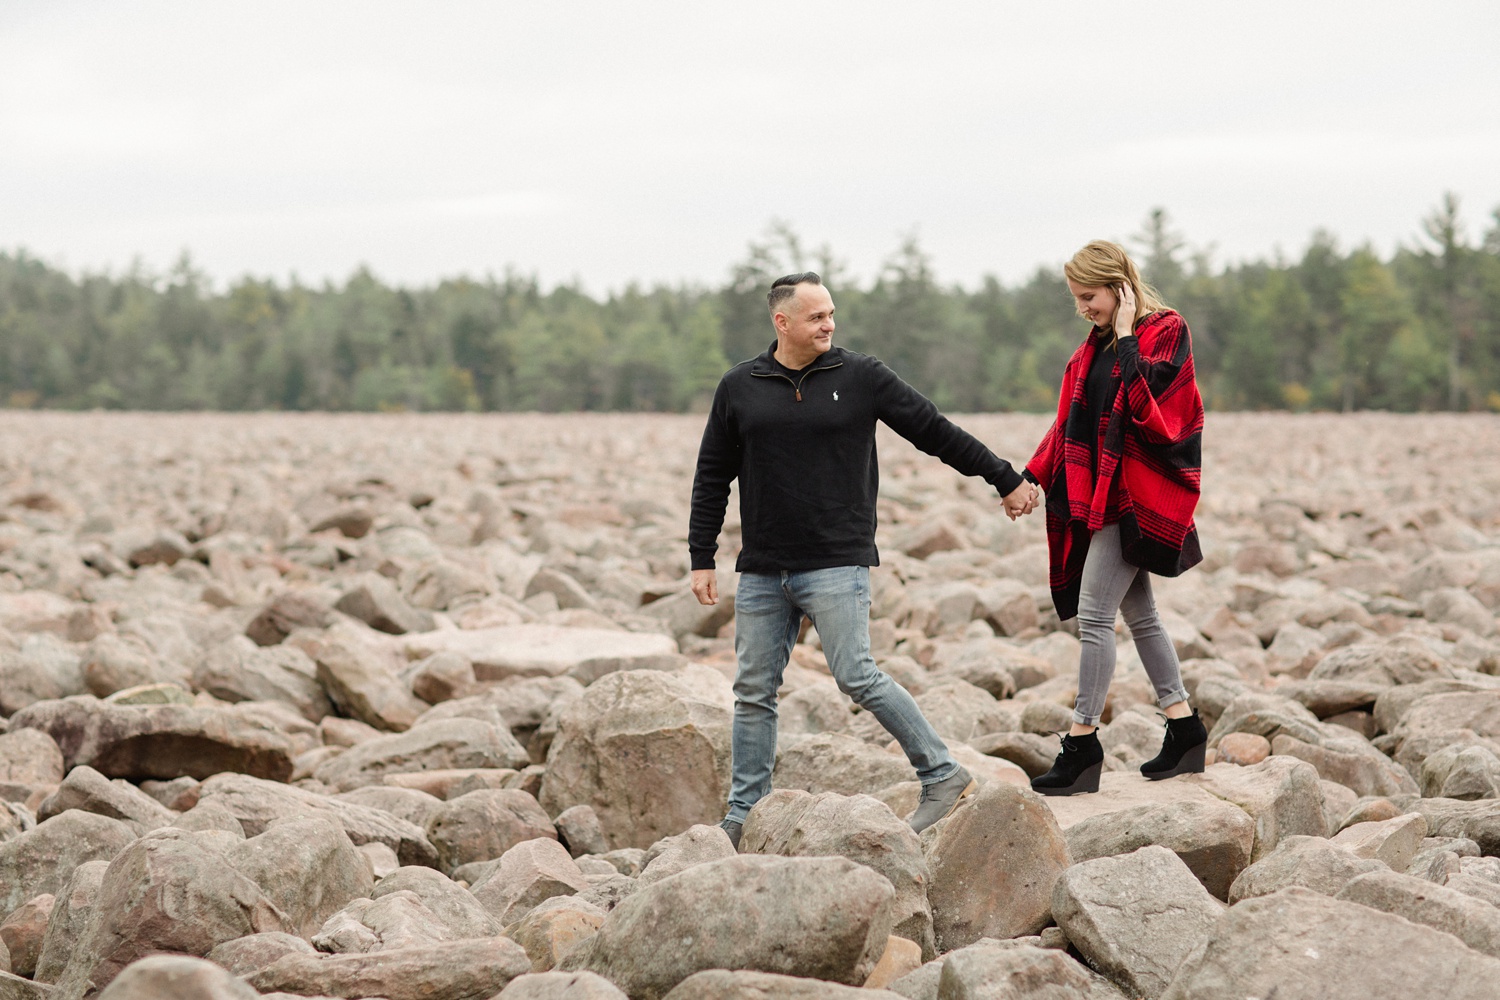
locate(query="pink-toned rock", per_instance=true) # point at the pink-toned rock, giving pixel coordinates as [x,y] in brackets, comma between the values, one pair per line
[553,927]
[1243,749]
[22,933]
[484,825]
[899,958]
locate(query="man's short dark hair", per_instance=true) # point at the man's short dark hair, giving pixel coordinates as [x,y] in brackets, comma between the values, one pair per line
[785,287]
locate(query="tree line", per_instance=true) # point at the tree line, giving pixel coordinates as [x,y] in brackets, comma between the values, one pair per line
[1334,329]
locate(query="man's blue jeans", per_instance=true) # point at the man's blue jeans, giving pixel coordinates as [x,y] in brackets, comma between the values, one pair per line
[768,610]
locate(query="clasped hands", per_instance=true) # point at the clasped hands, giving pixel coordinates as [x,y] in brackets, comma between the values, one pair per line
[1021,500]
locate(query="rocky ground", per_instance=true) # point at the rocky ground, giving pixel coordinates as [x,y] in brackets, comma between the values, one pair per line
[420,707]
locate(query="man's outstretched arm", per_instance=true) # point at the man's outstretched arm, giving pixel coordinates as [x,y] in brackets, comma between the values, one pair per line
[916,418]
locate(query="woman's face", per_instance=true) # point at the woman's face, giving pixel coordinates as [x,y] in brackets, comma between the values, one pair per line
[1096,303]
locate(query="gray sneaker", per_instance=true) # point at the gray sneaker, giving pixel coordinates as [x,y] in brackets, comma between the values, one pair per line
[734,830]
[941,798]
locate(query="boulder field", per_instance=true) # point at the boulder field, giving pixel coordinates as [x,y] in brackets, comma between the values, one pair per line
[396,706]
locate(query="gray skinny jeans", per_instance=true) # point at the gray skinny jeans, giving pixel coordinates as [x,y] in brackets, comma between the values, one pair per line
[1110,583]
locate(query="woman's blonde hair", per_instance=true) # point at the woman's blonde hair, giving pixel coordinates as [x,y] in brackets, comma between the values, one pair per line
[1102,263]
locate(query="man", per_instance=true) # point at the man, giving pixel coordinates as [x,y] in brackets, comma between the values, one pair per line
[796,426]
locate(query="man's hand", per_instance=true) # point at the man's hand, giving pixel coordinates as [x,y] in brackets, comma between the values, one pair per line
[1021,500]
[706,586]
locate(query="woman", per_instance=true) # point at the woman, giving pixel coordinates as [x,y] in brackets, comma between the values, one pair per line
[1121,472]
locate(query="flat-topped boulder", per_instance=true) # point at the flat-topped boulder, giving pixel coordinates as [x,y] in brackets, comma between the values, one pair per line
[537,650]
[158,741]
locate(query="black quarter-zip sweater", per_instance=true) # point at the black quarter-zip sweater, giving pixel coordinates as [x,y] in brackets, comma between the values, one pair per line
[802,444]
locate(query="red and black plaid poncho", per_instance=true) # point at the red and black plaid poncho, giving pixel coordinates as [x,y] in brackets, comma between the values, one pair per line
[1150,438]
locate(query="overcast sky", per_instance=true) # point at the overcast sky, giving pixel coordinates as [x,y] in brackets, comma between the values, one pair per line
[651,141]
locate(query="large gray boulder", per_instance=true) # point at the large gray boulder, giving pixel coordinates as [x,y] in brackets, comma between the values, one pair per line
[450,902]
[163,894]
[818,918]
[1297,944]
[646,751]
[42,859]
[239,670]
[411,804]
[719,984]
[793,823]
[374,600]
[1023,971]
[456,970]
[158,977]
[994,863]
[307,867]
[1351,761]
[86,789]
[452,743]
[1461,772]
[694,846]
[1404,660]
[561,986]
[836,762]
[1473,921]
[360,670]
[525,875]
[248,954]
[158,741]
[520,704]
[396,920]
[1135,917]
[71,910]
[1309,862]
[1394,841]
[1267,715]
[1213,838]
[43,668]
[1478,820]
[258,805]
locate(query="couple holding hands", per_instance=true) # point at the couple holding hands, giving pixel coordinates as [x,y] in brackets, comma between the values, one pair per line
[1119,467]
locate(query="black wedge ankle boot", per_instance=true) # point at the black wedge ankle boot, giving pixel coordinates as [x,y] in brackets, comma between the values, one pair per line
[1076,768]
[1181,750]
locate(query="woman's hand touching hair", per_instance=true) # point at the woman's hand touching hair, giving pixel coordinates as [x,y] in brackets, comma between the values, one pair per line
[1125,313]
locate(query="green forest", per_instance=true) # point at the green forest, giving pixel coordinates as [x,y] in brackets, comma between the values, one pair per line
[1335,329]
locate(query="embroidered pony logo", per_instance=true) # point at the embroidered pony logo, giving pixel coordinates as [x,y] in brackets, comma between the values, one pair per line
[835,395]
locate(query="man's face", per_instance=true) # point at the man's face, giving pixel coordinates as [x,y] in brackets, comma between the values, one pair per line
[805,321]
